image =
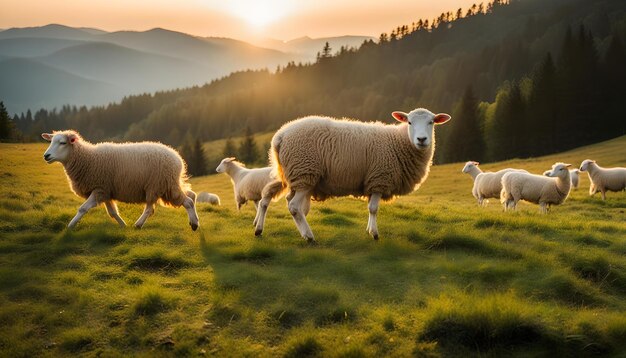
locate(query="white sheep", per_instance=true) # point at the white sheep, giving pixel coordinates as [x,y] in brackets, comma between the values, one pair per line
[131,173]
[321,157]
[538,189]
[486,184]
[249,184]
[204,197]
[573,173]
[603,179]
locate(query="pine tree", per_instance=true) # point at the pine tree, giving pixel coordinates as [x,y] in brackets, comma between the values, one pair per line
[543,101]
[466,137]
[186,151]
[248,152]
[199,158]
[229,149]
[7,128]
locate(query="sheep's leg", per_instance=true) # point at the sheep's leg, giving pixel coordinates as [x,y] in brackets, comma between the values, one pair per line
[296,210]
[83,209]
[259,222]
[256,216]
[592,189]
[147,212]
[373,210]
[191,195]
[543,207]
[603,191]
[112,211]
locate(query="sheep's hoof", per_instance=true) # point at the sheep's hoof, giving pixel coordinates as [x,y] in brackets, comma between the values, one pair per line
[138,226]
[194,227]
[311,241]
[375,237]
[258,232]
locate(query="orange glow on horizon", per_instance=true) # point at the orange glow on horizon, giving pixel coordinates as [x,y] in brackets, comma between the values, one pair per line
[241,19]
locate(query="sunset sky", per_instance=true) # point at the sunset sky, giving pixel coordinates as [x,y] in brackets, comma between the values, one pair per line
[242,19]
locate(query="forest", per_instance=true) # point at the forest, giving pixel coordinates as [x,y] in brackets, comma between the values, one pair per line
[521,78]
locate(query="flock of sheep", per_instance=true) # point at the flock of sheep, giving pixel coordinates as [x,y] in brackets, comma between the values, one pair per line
[311,158]
[551,188]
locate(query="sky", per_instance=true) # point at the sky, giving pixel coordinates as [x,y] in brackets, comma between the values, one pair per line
[240,19]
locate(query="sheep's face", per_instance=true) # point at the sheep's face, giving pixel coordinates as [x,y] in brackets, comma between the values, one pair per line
[468,166]
[61,144]
[223,165]
[421,125]
[584,166]
[558,170]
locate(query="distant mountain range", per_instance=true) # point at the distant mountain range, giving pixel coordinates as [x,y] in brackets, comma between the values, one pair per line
[52,65]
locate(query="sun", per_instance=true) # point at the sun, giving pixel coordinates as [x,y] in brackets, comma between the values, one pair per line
[258,13]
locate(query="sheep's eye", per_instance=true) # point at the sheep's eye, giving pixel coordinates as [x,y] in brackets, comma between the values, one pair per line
[409,122]
[431,122]
[63,143]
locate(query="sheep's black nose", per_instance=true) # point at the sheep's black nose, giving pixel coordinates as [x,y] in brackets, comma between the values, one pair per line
[421,139]
[46,156]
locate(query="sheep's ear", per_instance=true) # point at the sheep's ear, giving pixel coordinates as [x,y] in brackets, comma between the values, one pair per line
[228,160]
[476,163]
[567,165]
[73,138]
[441,118]
[47,136]
[400,116]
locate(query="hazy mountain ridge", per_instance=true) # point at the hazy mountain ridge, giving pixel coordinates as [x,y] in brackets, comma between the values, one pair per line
[132,62]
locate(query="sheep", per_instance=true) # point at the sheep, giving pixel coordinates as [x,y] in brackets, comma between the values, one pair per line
[322,157]
[144,172]
[204,197]
[573,173]
[538,189]
[603,179]
[251,184]
[486,184]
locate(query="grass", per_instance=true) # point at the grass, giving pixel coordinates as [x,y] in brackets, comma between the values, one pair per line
[446,278]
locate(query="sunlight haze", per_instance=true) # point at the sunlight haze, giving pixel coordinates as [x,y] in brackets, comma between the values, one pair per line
[241,19]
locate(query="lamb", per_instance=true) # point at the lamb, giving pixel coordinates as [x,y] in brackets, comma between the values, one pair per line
[538,189]
[486,184]
[573,175]
[321,157]
[250,184]
[144,172]
[204,197]
[603,179]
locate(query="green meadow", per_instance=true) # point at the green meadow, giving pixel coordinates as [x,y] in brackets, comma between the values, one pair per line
[446,278]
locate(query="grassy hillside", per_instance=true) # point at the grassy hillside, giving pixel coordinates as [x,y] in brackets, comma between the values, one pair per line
[446,277]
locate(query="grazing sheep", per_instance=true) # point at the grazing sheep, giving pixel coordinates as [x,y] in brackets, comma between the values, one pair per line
[204,197]
[536,189]
[573,173]
[250,184]
[603,179]
[486,184]
[321,157]
[131,173]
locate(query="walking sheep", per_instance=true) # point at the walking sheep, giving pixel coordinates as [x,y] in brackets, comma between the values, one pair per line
[603,179]
[249,184]
[321,157]
[573,173]
[538,189]
[486,184]
[131,173]
[204,197]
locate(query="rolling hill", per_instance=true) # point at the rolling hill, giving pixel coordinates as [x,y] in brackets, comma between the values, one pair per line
[26,83]
[135,61]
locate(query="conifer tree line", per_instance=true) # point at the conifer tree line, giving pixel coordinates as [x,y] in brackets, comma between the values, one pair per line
[521,78]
